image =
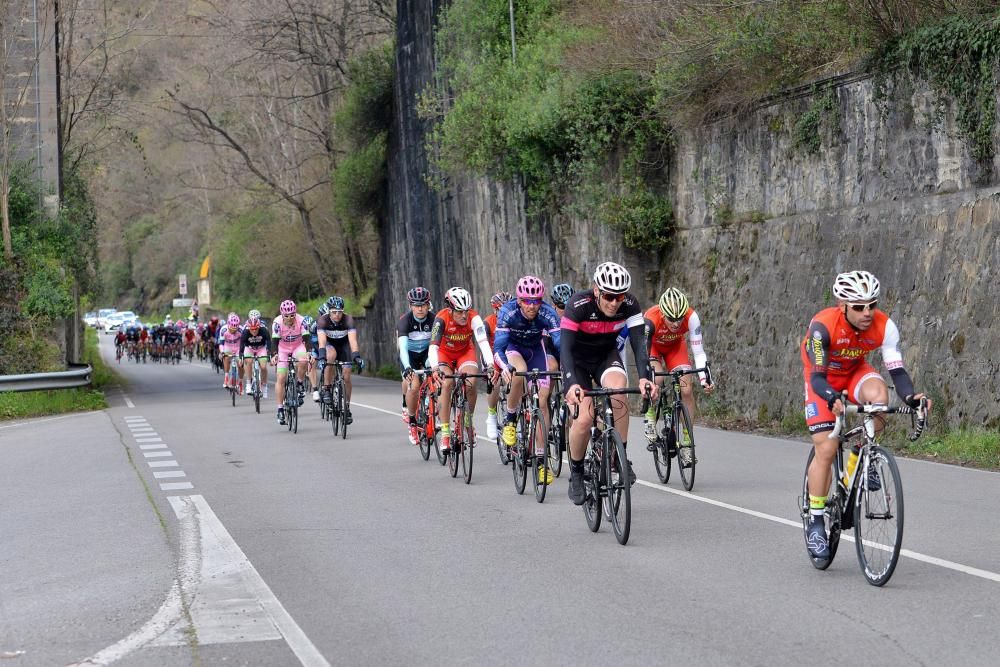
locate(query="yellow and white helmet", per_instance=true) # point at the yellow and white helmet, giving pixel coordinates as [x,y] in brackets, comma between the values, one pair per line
[673,304]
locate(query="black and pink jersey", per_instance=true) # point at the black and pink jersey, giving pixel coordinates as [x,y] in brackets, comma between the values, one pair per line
[589,336]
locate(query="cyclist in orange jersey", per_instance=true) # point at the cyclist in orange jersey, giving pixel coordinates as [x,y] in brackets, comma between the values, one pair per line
[452,351]
[834,353]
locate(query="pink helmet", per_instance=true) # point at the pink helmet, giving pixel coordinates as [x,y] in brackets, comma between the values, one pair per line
[288,307]
[234,320]
[530,287]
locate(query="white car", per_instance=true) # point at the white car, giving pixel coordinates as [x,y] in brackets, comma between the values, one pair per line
[90,319]
[112,322]
[102,315]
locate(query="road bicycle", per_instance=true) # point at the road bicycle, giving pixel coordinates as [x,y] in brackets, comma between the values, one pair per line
[335,398]
[234,379]
[869,499]
[530,429]
[606,467]
[294,396]
[673,425]
[463,438]
[426,416]
[256,389]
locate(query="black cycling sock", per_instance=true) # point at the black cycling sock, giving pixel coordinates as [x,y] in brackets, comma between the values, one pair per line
[413,420]
[576,467]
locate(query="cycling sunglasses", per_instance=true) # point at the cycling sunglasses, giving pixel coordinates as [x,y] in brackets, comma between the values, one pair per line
[531,302]
[612,298]
[860,307]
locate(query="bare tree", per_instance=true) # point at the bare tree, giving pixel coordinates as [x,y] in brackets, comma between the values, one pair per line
[267,108]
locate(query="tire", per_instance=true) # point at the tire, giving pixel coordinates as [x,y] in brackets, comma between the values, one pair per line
[661,453]
[335,415]
[467,452]
[618,502]
[232,394]
[456,441]
[519,462]
[343,412]
[538,461]
[593,471]
[501,414]
[557,440]
[426,421]
[256,393]
[295,420]
[878,518]
[683,419]
[832,517]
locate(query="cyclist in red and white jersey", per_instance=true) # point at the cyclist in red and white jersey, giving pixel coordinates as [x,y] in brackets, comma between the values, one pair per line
[834,353]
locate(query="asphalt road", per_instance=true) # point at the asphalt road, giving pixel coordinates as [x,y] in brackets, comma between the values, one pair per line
[174,529]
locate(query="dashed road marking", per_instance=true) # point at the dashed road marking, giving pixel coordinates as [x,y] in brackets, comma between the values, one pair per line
[176,486]
[165,474]
[155,455]
[163,464]
[159,446]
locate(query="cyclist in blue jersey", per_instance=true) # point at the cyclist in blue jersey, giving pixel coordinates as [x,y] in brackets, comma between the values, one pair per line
[518,346]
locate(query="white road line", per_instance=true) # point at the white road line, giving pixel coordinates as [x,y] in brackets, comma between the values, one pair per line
[163,464]
[51,419]
[304,650]
[128,402]
[147,439]
[166,474]
[176,486]
[143,430]
[159,446]
[135,419]
[924,558]
[157,455]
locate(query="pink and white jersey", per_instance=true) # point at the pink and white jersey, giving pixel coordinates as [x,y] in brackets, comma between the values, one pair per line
[231,338]
[288,335]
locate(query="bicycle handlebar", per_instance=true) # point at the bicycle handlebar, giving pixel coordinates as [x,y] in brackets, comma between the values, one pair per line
[707,370]
[607,392]
[919,415]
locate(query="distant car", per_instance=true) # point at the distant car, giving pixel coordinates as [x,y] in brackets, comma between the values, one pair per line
[90,319]
[120,320]
[102,315]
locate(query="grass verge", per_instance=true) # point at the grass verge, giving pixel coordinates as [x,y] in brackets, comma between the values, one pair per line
[22,404]
[974,447]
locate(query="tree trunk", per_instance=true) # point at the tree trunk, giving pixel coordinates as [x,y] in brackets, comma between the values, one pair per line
[313,249]
[8,246]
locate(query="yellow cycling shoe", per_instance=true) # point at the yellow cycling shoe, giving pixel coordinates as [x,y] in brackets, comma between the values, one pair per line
[509,435]
[544,475]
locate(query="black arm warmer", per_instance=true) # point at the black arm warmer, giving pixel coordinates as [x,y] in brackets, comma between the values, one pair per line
[904,385]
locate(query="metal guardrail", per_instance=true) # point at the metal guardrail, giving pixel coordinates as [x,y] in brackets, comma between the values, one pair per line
[77,376]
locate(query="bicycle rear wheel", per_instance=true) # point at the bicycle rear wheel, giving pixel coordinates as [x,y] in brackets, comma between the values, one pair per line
[501,415]
[619,498]
[425,424]
[662,446]
[831,517]
[456,441]
[295,420]
[593,471]
[878,516]
[682,422]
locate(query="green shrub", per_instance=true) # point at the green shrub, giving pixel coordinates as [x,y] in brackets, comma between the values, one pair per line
[359,181]
[366,109]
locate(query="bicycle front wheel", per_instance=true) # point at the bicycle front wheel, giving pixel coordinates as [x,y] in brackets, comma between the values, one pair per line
[342,408]
[519,457]
[684,437]
[467,451]
[878,516]
[619,498]
[593,471]
[557,437]
[662,446]
[456,441]
[540,468]
[333,409]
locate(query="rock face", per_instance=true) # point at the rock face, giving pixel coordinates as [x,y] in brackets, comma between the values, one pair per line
[764,226]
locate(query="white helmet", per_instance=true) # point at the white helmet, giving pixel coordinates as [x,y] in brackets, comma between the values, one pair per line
[612,278]
[458,298]
[856,286]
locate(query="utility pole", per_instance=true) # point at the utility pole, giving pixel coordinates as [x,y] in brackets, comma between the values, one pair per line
[513,40]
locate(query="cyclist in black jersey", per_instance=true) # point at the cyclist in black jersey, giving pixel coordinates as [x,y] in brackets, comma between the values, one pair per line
[589,357]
